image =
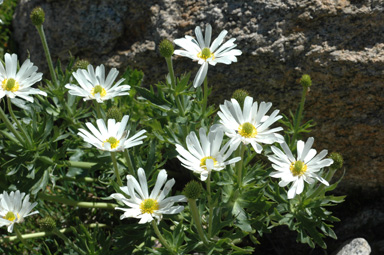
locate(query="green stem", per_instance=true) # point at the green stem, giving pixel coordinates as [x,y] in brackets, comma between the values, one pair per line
[40,30]
[49,161]
[67,241]
[196,219]
[20,237]
[239,165]
[98,111]
[161,238]
[43,234]
[100,205]
[20,127]
[118,179]
[299,116]
[86,165]
[9,125]
[210,217]
[205,95]
[173,85]
[171,72]
[129,162]
[80,179]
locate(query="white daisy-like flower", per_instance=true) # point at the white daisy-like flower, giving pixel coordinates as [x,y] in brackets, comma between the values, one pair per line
[207,154]
[18,83]
[304,168]
[250,125]
[145,206]
[14,207]
[94,85]
[111,138]
[206,53]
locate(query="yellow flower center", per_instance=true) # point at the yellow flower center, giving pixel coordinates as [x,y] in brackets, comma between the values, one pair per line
[10,216]
[247,130]
[204,160]
[99,89]
[10,85]
[205,54]
[149,205]
[113,141]
[298,168]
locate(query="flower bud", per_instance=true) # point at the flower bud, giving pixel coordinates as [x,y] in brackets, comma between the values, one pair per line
[166,48]
[114,113]
[37,16]
[240,95]
[306,81]
[81,64]
[47,224]
[337,160]
[192,190]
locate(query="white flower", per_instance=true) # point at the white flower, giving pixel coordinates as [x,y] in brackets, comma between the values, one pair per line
[304,168]
[13,209]
[144,206]
[94,85]
[250,125]
[18,83]
[205,155]
[113,138]
[203,53]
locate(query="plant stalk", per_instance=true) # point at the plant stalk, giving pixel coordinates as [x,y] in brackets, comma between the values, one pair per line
[100,205]
[40,30]
[20,127]
[299,116]
[210,217]
[43,234]
[129,162]
[118,179]
[161,238]
[196,219]
[239,165]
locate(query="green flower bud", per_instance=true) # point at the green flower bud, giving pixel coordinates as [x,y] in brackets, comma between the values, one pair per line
[114,113]
[81,64]
[240,95]
[337,160]
[192,190]
[166,48]
[47,224]
[306,81]
[37,16]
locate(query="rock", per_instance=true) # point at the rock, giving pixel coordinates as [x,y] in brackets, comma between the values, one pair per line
[339,43]
[357,246]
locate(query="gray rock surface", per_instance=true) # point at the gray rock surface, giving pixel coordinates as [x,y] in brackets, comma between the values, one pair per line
[340,43]
[357,246]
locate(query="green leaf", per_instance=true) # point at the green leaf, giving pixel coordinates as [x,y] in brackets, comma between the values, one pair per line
[42,183]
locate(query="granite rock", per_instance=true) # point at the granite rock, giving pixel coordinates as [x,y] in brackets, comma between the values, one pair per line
[339,43]
[357,246]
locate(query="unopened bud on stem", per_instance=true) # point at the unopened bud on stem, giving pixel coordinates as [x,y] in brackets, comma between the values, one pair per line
[240,95]
[306,81]
[37,16]
[166,48]
[192,190]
